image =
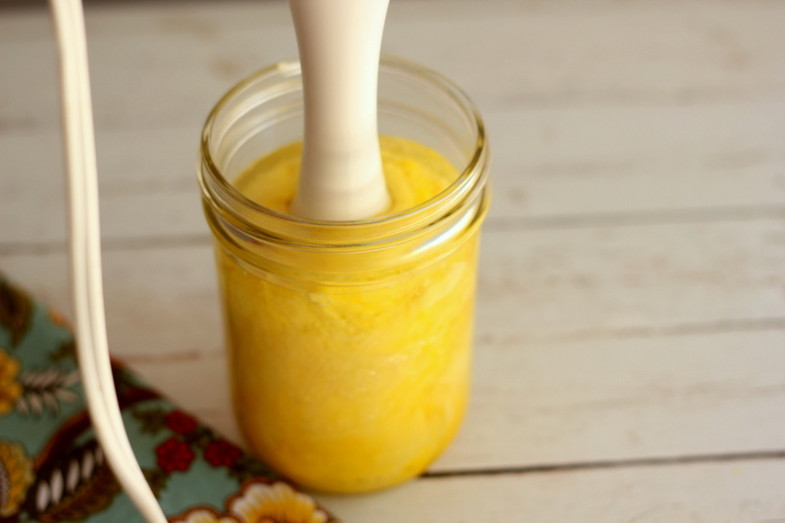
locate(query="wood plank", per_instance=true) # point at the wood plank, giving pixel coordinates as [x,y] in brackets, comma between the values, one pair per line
[620,399]
[608,400]
[601,281]
[701,493]
[583,162]
[692,52]
[150,195]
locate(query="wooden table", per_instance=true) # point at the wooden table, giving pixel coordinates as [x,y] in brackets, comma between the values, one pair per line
[630,346]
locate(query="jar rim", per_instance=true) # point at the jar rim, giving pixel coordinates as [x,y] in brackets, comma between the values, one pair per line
[219,190]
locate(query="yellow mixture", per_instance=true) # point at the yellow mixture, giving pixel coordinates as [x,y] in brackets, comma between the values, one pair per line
[351,388]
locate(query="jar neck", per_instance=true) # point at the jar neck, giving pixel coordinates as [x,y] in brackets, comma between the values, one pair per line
[273,98]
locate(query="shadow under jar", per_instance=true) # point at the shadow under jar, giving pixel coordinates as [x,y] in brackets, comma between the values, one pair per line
[349,343]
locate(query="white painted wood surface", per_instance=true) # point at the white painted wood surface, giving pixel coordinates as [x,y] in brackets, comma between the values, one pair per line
[630,358]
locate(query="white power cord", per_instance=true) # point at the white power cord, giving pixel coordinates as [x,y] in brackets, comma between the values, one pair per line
[86,279]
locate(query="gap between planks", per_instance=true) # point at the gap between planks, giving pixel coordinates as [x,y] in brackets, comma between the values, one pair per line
[535,223]
[764,455]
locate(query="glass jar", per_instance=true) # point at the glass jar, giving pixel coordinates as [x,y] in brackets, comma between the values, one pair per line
[349,343]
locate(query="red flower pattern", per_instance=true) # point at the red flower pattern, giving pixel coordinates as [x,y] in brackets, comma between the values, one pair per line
[174,454]
[221,453]
[181,423]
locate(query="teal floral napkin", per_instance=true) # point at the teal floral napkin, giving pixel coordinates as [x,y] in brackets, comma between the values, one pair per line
[52,469]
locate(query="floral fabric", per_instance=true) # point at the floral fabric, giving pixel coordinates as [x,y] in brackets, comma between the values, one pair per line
[52,469]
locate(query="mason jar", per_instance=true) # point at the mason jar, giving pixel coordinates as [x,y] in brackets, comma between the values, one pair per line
[349,343]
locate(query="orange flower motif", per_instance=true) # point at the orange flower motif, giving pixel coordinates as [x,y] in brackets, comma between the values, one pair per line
[16,476]
[10,389]
[260,502]
[264,503]
[58,319]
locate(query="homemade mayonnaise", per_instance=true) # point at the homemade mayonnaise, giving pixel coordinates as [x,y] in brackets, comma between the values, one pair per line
[351,381]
